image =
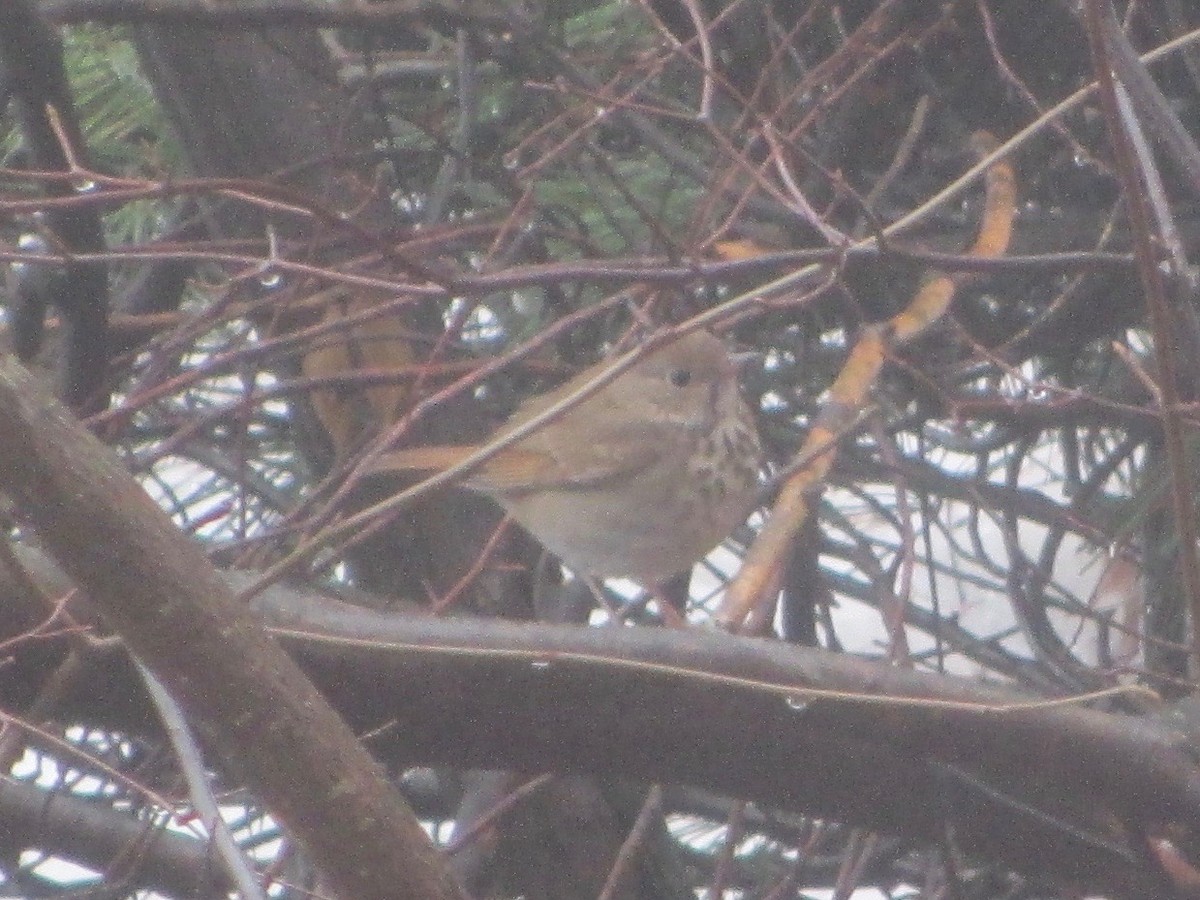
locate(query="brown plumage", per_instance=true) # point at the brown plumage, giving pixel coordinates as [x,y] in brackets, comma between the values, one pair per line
[640,478]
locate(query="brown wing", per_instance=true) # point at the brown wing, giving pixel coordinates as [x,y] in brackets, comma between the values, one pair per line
[520,468]
[552,459]
[562,458]
[604,436]
[596,440]
[515,465]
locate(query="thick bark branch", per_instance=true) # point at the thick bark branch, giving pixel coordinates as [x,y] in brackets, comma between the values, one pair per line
[1037,788]
[93,834]
[177,614]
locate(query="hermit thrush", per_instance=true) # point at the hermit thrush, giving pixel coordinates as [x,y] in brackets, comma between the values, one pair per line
[639,479]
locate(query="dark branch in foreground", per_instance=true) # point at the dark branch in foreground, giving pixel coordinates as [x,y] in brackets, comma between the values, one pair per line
[155,586]
[1036,787]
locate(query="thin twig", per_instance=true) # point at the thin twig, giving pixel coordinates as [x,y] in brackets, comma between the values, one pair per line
[191,765]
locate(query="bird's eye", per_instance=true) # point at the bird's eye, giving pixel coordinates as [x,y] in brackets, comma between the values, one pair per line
[681,377]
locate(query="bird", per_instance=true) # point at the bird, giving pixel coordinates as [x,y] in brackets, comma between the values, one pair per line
[639,479]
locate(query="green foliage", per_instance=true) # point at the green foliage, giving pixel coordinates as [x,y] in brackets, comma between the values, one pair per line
[611,26]
[611,225]
[126,131]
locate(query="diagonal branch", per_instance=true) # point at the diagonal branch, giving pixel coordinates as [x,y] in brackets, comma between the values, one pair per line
[176,613]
